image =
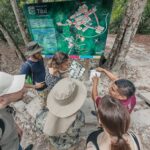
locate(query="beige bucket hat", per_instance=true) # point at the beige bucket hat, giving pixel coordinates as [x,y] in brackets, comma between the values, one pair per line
[33,48]
[64,100]
[66,97]
[10,83]
[54,125]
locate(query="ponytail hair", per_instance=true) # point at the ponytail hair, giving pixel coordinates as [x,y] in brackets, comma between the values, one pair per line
[116,120]
[120,144]
[58,59]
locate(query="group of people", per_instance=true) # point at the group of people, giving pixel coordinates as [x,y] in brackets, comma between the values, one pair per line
[62,98]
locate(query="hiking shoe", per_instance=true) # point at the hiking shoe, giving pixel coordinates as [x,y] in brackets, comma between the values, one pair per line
[94,113]
[29,147]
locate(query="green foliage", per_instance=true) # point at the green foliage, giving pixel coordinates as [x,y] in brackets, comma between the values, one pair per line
[118,13]
[9,20]
[144,26]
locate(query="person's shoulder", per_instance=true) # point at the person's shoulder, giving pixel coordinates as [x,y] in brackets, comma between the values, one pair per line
[98,100]
[90,146]
[93,139]
[136,139]
[27,63]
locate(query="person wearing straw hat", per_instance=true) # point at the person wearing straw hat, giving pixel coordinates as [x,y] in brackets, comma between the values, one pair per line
[11,90]
[34,67]
[65,118]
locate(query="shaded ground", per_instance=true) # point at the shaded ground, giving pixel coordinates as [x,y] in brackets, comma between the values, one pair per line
[137,70]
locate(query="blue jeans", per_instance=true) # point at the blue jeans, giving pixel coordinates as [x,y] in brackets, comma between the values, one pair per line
[20,148]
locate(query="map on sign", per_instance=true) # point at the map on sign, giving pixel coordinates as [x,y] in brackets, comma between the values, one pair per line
[74,27]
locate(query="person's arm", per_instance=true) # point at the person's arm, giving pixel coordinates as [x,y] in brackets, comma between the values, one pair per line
[25,69]
[108,73]
[36,86]
[94,88]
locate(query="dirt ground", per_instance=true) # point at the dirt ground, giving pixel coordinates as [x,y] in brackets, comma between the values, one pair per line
[137,70]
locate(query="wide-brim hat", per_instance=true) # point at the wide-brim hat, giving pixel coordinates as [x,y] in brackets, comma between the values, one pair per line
[33,48]
[55,125]
[66,97]
[10,83]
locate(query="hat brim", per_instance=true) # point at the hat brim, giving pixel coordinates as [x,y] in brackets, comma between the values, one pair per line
[63,111]
[30,53]
[16,85]
[55,125]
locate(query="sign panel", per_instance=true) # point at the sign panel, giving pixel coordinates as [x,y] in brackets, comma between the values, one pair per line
[78,27]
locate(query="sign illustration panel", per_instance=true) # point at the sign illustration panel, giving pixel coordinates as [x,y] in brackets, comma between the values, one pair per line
[75,27]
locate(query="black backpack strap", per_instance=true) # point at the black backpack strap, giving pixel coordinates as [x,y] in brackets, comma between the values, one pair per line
[93,137]
[2,126]
[136,140]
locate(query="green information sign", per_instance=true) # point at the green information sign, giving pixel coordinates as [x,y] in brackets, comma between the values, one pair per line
[75,27]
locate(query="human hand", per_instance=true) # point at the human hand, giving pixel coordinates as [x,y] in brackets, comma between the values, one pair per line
[53,71]
[95,80]
[39,85]
[100,69]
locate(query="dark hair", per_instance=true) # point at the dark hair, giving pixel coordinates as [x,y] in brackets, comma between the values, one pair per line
[116,119]
[125,87]
[58,59]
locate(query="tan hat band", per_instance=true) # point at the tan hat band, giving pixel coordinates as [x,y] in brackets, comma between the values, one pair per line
[69,99]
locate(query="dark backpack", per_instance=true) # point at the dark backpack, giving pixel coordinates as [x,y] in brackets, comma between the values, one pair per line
[93,137]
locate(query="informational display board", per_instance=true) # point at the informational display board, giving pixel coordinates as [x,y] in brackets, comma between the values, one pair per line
[77,27]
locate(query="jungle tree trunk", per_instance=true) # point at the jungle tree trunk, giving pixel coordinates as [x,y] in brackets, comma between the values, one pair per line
[11,42]
[126,33]
[19,22]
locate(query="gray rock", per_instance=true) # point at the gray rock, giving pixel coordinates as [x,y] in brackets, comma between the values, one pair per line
[87,108]
[140,118]
[19,106]
[34,107]
[139,99]
[146,96]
